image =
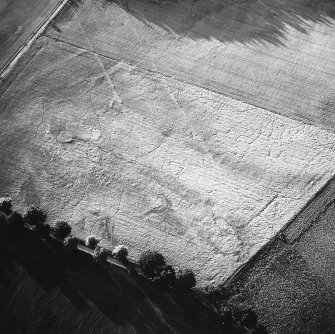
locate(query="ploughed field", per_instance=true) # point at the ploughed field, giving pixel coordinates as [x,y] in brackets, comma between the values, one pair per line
[196,128]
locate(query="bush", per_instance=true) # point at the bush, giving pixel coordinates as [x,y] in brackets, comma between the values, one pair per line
[62,229]
[71,243]
[42,229]
[34,215]
[258,329]
[132,271]
[166,278]
[100,254]
[151,263]
[227,315]
[120,253]
[245,315]
[6,205]
[248,318]
[185,280]
[91,241]
[217,295]
[3,220]
[15,220]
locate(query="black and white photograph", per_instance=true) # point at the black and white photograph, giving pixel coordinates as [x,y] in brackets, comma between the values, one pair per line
[167,166]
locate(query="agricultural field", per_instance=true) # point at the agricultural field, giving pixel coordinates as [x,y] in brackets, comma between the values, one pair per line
[18,20]
[196,128]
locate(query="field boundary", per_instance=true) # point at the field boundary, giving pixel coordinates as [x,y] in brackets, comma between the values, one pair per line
[310,212]
[295,227]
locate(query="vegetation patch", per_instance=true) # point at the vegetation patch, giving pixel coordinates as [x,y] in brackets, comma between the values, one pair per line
[34,215]
[61,229]
[91,241]
[6,205]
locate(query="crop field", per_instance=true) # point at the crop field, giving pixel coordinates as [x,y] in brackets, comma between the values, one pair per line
[18,20]
[196,128]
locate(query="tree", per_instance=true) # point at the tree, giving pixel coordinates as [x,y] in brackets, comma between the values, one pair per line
[185,280]
[3,220]
[62,229]
[120,252]
[71,243]
[227,315]
[6,205]
[15,220]
[132,271]
[91,241]
[151,263]
[248,318]
[259,329]
[100,254]
[34,215]
[245,315]
[217,294]
[166,277]
[42,229]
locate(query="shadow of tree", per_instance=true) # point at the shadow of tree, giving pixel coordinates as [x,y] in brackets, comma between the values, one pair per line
[243,21]
[7,266]
[93,291]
